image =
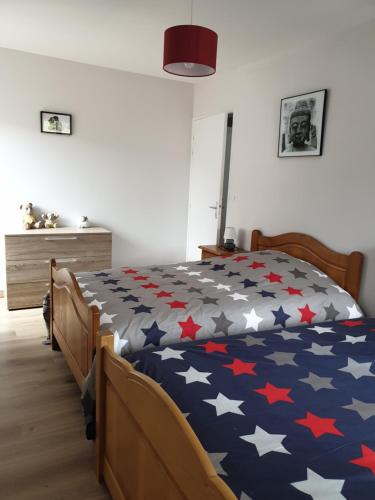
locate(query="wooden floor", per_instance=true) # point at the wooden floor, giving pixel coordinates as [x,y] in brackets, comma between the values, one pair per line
[44,454]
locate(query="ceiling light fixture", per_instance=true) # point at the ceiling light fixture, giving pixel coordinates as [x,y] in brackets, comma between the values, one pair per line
[190,50]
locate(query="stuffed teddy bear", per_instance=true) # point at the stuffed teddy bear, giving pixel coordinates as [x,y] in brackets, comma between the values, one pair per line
[50,220]
[29,218]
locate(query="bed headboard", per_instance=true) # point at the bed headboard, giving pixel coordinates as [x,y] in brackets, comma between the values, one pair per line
[344,269]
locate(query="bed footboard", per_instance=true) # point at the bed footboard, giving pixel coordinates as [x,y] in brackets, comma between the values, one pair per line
[73,323]
[145,447]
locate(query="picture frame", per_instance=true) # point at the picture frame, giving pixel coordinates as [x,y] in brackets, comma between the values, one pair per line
[55,123]
[301,126]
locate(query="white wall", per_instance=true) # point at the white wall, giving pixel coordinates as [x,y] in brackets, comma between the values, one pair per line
[330,197]
[126,165]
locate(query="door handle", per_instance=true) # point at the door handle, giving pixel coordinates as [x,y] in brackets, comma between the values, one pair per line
[216,207]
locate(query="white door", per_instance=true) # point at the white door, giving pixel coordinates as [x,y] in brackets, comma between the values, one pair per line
[206,176]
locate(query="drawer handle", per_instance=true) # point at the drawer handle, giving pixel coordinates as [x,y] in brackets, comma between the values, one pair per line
[54,238]
[69,259]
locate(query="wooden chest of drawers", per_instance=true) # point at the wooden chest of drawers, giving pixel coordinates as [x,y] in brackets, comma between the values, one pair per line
[28,254]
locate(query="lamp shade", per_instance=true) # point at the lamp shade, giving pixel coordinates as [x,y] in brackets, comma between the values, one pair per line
[230,233]
[190,50]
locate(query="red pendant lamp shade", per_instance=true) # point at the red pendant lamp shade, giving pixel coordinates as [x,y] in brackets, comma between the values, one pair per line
[190,50]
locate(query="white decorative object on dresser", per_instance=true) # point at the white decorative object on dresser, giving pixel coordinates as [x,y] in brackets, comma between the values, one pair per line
[28,254]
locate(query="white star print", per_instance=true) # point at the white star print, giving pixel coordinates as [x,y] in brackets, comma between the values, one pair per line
[238,296]
[321,275]
[169,353]
[358,370]
[354,340]
[252,320]
[206,280]
[106,318]
[194,273]
[341,290]
[181,268]
[322,329]
[193,375]
[319,488]
[82,285]
[225,405]
[220,286]
[354,312]
[88,294]
[98,304]
[265,442]
[118,343]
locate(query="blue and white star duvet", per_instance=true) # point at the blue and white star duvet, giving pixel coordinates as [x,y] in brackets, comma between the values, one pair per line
[285,414]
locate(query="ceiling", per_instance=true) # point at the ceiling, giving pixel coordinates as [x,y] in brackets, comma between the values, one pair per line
[128,34]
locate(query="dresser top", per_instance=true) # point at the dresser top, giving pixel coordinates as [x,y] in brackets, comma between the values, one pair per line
[60,230]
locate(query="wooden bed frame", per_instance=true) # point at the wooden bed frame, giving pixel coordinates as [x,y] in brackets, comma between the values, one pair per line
[74,324]
[145,449]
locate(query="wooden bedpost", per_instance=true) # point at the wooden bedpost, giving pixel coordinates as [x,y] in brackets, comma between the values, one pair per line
[94,327]
[55,346]
[354,273]
[103,339]
[255,240]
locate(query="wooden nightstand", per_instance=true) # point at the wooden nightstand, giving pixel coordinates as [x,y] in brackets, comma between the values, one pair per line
[209,251]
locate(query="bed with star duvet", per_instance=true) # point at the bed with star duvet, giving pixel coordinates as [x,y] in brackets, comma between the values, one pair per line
[283,414]
[150,306]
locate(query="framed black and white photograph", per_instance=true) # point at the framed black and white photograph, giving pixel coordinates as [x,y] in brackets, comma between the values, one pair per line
[55,123]
[302,124]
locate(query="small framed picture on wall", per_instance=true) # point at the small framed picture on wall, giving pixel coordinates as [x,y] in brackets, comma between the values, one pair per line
[55,123]
[302,124]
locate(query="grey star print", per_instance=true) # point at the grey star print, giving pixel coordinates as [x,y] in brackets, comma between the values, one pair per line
[208,300]
[283,358]
[364,410]
[192,289]
[331,312]
[298,274]
[222,323]
[317,382]
[319,289]
[320,350]
[251,341]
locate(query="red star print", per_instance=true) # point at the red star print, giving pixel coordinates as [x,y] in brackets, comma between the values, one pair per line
[352,323]
[274,278]
[161,294]
[367,459]
[214,347]
[129,271]
[141,278]
[240,257]
[177,304]
[150,285]
[189,328]
[319,426]
[293,291]
[257,265]
[306,314]
[239,367]
[275,394]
